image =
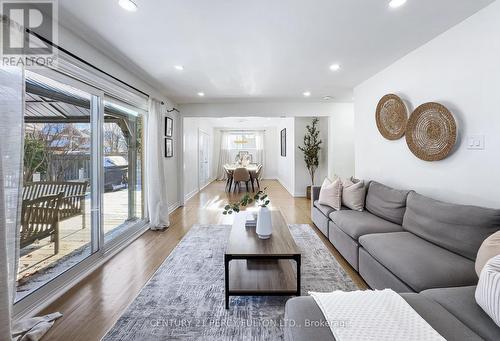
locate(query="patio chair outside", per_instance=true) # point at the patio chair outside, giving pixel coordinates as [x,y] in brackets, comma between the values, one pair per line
[73,201]
[39,219]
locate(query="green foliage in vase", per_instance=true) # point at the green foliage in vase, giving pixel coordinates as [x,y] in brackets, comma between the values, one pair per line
[260,198]
[311,148]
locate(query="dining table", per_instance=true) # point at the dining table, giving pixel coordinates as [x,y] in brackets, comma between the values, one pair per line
[252,168]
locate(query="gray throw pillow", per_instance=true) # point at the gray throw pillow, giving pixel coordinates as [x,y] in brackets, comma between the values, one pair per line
[353,194]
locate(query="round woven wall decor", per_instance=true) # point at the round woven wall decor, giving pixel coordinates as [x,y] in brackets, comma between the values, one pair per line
[431,132]
[391,116]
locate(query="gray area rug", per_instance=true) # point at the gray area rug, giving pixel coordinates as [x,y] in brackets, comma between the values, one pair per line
[184,300]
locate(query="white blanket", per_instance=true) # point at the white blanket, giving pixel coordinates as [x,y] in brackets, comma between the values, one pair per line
[374,316]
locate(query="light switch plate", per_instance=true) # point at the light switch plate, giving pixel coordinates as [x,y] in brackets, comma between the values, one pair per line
[475,142]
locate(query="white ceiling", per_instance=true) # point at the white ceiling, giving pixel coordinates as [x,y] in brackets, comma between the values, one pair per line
[261,50]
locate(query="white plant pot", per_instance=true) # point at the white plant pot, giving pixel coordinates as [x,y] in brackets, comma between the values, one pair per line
[264,224]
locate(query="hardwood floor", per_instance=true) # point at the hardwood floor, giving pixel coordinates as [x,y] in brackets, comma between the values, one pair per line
[92,307]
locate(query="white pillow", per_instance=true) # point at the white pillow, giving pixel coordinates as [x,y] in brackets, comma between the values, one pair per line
[331,193]
[353,194]
[488,289]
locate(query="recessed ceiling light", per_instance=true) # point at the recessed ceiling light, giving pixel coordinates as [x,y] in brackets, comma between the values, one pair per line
[396,3]
[335,67]
[201,94]
[179,67]
[307,93]
[128,5]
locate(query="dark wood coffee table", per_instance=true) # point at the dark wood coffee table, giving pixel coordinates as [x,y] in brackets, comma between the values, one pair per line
[256,267]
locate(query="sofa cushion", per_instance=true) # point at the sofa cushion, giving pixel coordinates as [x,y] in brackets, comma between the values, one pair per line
[445,323]
[348,247]
[461,303]
[458,228]
[298,311]
[356,224]
[418,263]
[386,202]
[320,220]
[377,276]
[326,210]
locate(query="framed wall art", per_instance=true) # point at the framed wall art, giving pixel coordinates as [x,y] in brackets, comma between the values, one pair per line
[283,142]
[169,147]
[169,127]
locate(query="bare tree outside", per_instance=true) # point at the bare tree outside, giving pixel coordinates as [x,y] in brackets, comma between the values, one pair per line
[115,142]
[50,149]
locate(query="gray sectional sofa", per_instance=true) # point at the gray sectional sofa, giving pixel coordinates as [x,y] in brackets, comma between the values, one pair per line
[422,248]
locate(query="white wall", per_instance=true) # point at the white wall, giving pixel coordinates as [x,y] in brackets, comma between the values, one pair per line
[192,127]
[461,70]
[302,177]
[172,164]
[264,109]
[286,165]
[341,143]
[270,170]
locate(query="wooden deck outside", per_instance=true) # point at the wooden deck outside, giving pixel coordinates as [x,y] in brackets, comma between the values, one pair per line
[40,256]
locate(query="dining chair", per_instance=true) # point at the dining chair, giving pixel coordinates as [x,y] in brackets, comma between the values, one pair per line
[229,175]
[253,175]
[241,175]
[258,175]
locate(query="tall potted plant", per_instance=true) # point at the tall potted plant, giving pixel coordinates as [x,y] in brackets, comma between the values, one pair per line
[311,148]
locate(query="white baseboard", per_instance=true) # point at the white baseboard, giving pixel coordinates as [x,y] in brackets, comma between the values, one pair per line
[286,187]
[208,183]
[173,207]
[190,195]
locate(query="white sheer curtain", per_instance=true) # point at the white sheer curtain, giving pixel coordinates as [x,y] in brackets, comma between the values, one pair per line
[224,155]
[155,168]
[259,148]
[11,130]
[11,161]
[227,154]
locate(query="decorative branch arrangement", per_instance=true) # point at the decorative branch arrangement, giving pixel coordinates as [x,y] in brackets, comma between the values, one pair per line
[260,198]
[311,148]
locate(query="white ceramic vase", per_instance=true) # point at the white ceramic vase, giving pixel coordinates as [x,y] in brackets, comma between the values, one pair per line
[264,224]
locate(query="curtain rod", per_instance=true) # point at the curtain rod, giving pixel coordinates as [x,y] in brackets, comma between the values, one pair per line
[170,110]
[45,40]
[84,61]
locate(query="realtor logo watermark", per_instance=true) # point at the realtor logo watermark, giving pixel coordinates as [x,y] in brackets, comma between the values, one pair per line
[23,22]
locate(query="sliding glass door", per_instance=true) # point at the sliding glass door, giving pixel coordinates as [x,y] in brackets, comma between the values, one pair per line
[59,227]
[82,177]
[123,194]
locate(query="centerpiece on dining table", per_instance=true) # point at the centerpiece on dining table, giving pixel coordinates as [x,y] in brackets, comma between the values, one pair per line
[243,160]
[261,199]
